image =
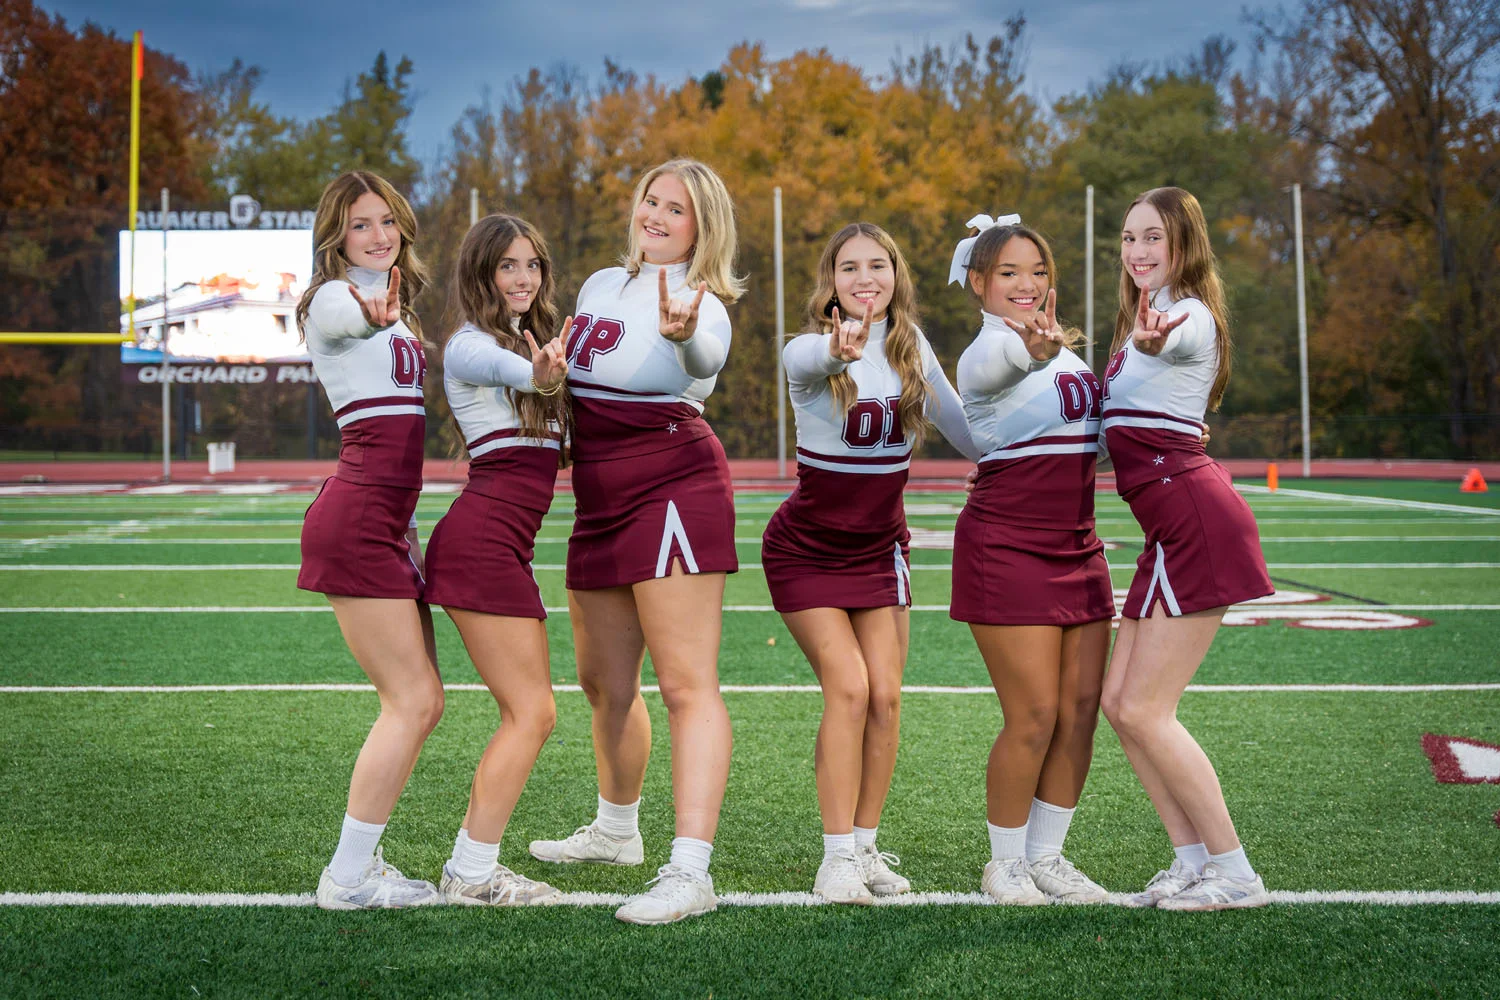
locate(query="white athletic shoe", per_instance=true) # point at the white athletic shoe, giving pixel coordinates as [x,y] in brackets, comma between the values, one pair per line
[1217,891]
[503,888]
[589,843]
[1056,876]
[841,879]
[877,867]
[1007,880]
[1163,885]
[380,887]
[675,893]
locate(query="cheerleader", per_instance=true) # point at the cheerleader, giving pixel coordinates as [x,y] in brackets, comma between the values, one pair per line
[654,531]
[835,553]
[1202,550]
[1029,574]
[359,538]
[506,395]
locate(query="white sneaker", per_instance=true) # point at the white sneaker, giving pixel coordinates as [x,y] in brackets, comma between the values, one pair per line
[1056,876]
[380,887]
[1216,890]
[503,888]
[675,893]
[877,867]
[1163,885]
[589,843]
[1007,880]
[841,879]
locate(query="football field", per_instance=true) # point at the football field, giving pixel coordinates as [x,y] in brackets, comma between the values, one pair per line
[179,724]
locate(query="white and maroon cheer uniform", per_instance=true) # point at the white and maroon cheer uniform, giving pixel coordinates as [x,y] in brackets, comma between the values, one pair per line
[479,555]
[840,540]
[1202,546]
[354,534]
[1024,548]
[650,478]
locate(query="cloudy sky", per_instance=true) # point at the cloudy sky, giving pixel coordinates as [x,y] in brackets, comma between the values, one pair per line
[309,49]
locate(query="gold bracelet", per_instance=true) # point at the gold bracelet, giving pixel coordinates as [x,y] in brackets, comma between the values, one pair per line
[547,392]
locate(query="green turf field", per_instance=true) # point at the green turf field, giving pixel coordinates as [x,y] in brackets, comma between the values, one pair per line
[1391,588]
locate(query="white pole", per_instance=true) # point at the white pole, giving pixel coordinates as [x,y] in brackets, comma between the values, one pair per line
[1302,334]
[473,206]
[780,344]
[1088,276]
[166,382]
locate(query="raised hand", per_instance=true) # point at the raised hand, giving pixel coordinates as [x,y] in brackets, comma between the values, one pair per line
[1039,332]
[382,308]
[678,321]
[549,362]
[847,341]
[1152,327]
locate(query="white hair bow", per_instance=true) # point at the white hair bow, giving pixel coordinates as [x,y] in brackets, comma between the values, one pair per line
[965,248]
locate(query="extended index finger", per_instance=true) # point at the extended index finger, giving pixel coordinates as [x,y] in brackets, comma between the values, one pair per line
[1143,309]
[661,286]
[530,342]
[1052,308]
[394,287]
[864,326]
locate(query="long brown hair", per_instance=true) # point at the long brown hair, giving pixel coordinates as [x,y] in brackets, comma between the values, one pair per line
[332,220]
[1193,273]
[902,350]
[478,302]
[987,248]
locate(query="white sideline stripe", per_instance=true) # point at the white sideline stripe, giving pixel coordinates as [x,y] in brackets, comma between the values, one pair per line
[1460,897]
[931,567]
[1373,501]
[563,609]
[727,688]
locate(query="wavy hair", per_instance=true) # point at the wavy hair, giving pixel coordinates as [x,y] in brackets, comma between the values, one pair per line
[477,301]
[902,350]
[331,222]
[711,259]
[1193,272]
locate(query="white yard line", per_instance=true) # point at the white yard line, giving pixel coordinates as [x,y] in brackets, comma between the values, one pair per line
[725,688]
[1460,897]
[1345,498]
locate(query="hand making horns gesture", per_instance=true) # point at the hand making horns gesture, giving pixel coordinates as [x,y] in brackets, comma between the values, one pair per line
[679,320]
[1152,327]
[847,341]
[1040,333]
[382,308]
[549,363]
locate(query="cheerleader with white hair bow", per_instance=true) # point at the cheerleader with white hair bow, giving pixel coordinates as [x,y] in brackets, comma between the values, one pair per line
[1029,575]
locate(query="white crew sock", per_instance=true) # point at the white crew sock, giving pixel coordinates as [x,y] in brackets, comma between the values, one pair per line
[839,843]
[692,854]
[472,860]
[1046,829]
[1007,842]
[864,836]
[357,845]
[1192,856]
[619,822]
[1234,863]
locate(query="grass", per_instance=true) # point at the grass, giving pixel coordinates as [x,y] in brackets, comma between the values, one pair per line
[241,791]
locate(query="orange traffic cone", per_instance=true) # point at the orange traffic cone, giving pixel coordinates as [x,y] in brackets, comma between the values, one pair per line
[1474,483]
[1272,476]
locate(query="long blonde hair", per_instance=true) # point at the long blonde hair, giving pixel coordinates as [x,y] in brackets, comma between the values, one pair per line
[988,247]
[711,259]
[1194,273]
[902,350]
[477,301]
[330,224]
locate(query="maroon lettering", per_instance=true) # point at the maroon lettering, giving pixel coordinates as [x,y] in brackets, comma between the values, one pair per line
[1115,364]
[408,363]
[1080,395]
[591,337]
[873,423]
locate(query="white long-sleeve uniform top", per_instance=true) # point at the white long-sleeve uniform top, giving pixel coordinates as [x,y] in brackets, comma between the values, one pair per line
[1037,424]
[373,378]
[1154,406]
[634,391]
[852,467]
[503,462]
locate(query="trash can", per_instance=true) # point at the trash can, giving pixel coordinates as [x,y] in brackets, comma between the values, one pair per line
[220,457]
